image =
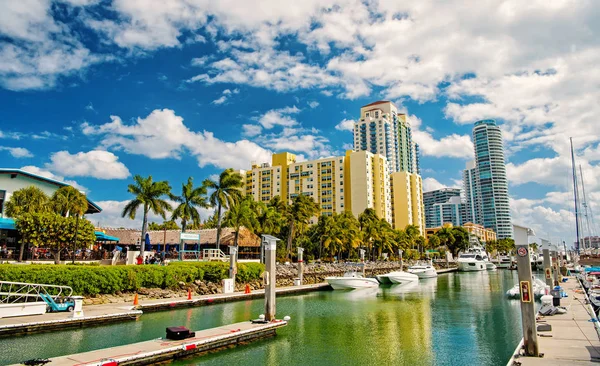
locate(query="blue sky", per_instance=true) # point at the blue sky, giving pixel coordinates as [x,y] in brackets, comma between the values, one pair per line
[94,92]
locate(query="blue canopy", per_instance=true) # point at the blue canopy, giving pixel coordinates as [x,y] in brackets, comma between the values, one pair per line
[100,236]
[147,242]
[7,224]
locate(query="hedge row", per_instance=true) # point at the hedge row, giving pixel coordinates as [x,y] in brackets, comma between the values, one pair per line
[93,280]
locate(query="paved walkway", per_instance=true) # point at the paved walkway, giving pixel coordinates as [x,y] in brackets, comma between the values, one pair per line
[573,340]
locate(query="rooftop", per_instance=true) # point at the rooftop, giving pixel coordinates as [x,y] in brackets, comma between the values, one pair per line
[92,207]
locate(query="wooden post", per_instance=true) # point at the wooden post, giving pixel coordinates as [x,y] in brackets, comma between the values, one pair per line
[270,245]
[555,268]
[300,266]
[547,267]
[530,342]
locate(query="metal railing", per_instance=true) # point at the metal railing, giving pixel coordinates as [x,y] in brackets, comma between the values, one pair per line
[18,292]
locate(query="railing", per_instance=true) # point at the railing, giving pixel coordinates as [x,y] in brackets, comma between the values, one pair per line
[214,255]
[18,292]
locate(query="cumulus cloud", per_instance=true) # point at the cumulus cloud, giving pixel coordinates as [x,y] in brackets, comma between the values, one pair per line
[225,96]
[147,137]
[432,184]
[279,117]
[17,152]
[97,163]
[345,125]
[251,130]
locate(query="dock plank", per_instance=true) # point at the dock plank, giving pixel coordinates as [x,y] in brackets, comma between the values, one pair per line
[145,352]
[573,340]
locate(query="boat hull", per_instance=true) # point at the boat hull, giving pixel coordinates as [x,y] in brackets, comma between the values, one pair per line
[402,277]
[351,283]
[471,266]
[425,274]
[490,266]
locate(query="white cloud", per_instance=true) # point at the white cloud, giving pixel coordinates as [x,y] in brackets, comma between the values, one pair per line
[49,174]
[431,184]
[111,215]
[17,152]
[89,106]
[313,104]
[251,130]
[97,163]
[345,125]
[225,96]
[147,137]
[278,117]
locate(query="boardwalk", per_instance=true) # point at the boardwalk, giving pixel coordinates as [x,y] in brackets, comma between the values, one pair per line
[573,340]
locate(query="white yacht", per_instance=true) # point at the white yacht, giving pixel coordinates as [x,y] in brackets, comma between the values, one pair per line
[504,261]
[425,270]
[350,281]
[474,259]
[397,277]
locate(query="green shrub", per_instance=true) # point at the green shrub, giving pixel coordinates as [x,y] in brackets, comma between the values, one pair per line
[93,280]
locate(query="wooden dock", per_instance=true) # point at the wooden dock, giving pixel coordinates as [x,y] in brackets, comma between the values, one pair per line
[573,339]
[98,314]
[159,350]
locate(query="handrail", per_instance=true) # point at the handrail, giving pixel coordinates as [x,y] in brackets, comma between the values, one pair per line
[589,307]
[15,292]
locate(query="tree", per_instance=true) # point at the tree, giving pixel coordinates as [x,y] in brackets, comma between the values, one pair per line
[269,219]
[149,195]
[384,242]
[368,222]
[412,233]
[226,192]
[434,241]
[67,201]
[27,200]
[190,200]
[54,231]
[320,231]
[166,225]
[238,215]
[461,240]
[210,222]
[534,246]
[302,209]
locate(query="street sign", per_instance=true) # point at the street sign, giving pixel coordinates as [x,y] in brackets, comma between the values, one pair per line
[522,251]
[189,236]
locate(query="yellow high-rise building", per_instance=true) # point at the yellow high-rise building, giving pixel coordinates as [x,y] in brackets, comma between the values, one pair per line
[407,200]
[353,182]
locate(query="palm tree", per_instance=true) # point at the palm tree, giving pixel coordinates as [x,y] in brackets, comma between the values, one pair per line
[412,233]
[27,200]
[322,227]
[148,194]
[302,209]
[238,215]
[68,200]
[191,198]
[226,192]
[269,219]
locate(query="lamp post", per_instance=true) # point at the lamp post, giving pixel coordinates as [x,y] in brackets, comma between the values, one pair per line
[75,241]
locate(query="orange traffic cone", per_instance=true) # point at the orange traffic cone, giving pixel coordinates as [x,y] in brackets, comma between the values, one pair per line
[247,291]
[189,294]
[135,300]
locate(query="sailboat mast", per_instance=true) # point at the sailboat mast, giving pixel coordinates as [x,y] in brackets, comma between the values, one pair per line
[575,194]
[586,214]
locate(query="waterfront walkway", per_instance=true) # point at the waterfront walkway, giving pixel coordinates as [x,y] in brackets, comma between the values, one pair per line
[573,339]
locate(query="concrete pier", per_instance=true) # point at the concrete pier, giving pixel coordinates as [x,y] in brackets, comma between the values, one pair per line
[573,339]
[159,350]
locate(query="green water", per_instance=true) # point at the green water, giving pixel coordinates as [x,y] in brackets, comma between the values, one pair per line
[458,319]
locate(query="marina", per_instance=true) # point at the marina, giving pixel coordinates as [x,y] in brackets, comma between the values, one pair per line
[443,321]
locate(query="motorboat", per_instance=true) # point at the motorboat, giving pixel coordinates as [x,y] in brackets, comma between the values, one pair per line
[539,289]
[423,270]
[490,266]
[504,262]
[474,259]
[350,281]
[397,277]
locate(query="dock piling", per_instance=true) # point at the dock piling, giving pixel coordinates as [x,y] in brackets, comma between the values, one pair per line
[547,267]
[530,341]
[270,245]
[300,266]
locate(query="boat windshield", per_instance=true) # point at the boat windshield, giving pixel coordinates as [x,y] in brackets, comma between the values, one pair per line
[467,256]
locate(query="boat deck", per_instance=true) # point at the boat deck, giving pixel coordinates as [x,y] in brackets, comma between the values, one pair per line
[573,339]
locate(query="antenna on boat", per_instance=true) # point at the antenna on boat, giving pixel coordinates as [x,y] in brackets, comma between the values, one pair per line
[575,193]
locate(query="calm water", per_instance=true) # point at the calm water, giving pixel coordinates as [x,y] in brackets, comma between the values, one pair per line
[458,319]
